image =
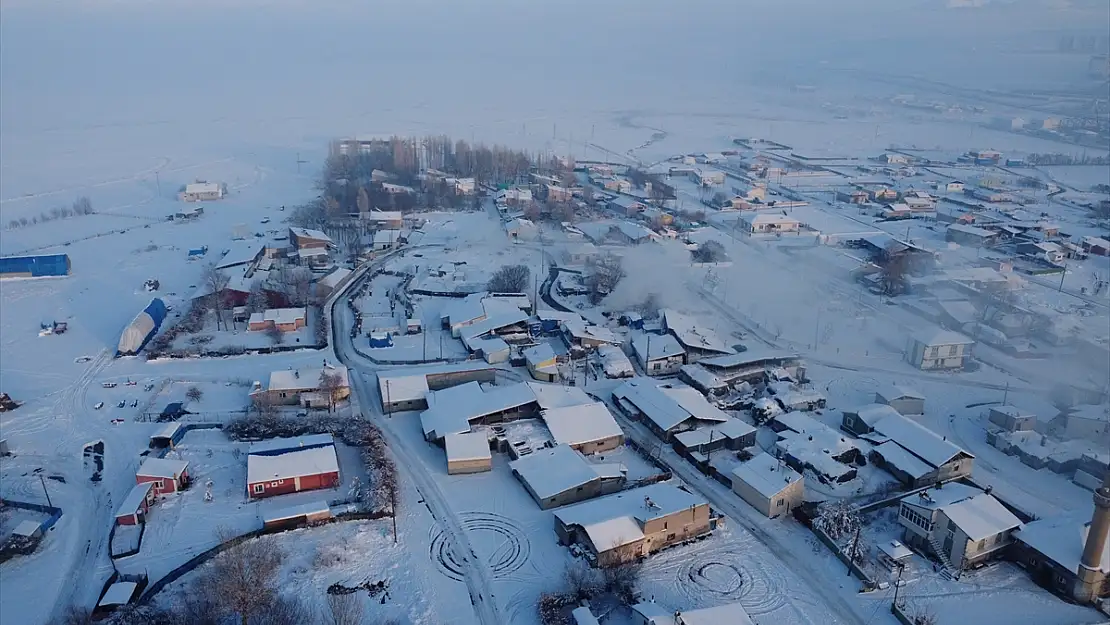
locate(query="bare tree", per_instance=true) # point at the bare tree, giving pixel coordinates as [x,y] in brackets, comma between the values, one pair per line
[710,252]
[582,581]
[256,299]
[277,337]
[194,394]
[332,384]
[216,281]
[607,272]
[894,267]
[82,206]
[246,578]
[621,579]
[363,201]
[300,285]
[345,609]
[74,616]
[510,279]
[838,519]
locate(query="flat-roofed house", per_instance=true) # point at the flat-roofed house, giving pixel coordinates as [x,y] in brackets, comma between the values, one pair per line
[905,400]
[284,319]
[201,191]
[468,452]
[306,387]
[769,485]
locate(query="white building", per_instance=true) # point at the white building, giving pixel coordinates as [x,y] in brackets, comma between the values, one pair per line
[467,452]
[769,485]
[589,428]
[769,223]
[202,191]
[960,524]
[940,349]
[659,354]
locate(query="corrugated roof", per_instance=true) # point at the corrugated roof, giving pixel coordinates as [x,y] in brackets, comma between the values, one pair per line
[919,440]
[578,425]
[549,472]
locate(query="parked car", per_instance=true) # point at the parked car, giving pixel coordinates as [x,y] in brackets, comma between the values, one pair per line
[98,405]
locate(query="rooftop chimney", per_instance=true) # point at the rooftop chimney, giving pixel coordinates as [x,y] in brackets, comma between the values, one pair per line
[1100,527]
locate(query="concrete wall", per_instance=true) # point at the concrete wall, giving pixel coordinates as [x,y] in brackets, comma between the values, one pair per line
[605,444]
[480,465]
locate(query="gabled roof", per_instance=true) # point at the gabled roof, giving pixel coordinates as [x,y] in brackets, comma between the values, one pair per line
[873,413]
[549,472]
[731,429]
[305,379]
[690,335]
[940,338]
[894,455]
[919,440]
[728,614]
[309,233]
[1061,539]
[134,498]
[662,408]
[579,330]
[162,467]
[539,353]
[766,475]
[292,464]
[895,391]
[981,516]
[618,519]
[578,425]
[665,346]
[452,409]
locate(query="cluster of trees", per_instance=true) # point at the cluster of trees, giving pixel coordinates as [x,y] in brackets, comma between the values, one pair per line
[510,279]
[605,273]
[81,206]
[710,252]
[582,583]
[1066,159]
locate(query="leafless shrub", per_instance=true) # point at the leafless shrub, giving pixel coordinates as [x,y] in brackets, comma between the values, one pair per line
[582,580]
[276,336]
[838,519]
[245,576]
[194,394]
[510,279]
[621,580]
[345,609]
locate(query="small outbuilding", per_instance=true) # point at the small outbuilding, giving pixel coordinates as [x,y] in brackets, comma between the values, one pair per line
[136,504]
[468,452]
[166,475]
[168,437]
[768,485]
[541,362]
[905,400]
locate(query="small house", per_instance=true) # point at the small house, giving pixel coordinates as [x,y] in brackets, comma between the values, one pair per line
[558,476]
[954,186]
[769,223]
[860,421]
[939,349]
[905,400]
[961,525]
[292,387]
[768,485]
[916,455]
[970,235]
[279,467]
[541,362]
[201,191]
[284,319]
[168,437]
[659,355]
[468,452]
[136,504]
[1011,418]
[1095,246]
[589,428]
[732,435]
[308,238]
[166,475]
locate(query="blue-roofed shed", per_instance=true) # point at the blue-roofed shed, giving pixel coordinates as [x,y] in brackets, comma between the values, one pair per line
[34,266]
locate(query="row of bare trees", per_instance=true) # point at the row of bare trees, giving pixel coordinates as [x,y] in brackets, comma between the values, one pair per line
[81,206]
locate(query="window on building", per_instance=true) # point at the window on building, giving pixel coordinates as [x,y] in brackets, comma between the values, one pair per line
[934,352]
[664,524]
[915,518]
[159,485]
[952,349]
[780,502]
[258,488]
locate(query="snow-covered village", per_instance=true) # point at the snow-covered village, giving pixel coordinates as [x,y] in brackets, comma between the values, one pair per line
[831,347]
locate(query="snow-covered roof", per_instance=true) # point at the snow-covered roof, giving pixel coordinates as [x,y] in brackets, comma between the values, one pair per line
[773,218]
[549,472]
[547,314]
[299,463]
[898,457]
[118,593]
[134,499]
[615,362]
[731,429]
[162,467]
[411,383]
[309,233]
[550,396]
[493,322]
[687,331]
[792,396]
[728,614]
[312,252]
[654,614]
[240,253]
[896,391]
[583,616]
[280,316]
[382,237]
[961,310]
[538,354]
[202,187]
[919,440]
[378,215]
[169,431]
[661,408]
[335,277]
[693,402]
[749,357]
[817,451]
[873,413]
[617,519]
[766,474]
[936,498]
[665,346]
[305,379]
[981,516]
[972,230]
[27,528]
[449,409]
[277,445]
[939,338]
[467,446]
[299,510]
[1061,539]
[626,202]
[465,310]
[895,550]
[578,425]
[579,330]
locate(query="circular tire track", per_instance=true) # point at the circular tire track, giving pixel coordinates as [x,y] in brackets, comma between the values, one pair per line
[511,554]
[760,590]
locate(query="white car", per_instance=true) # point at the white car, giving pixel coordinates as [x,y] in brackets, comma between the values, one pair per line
[98,405]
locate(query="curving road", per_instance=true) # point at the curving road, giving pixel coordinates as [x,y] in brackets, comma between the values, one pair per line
[473,570]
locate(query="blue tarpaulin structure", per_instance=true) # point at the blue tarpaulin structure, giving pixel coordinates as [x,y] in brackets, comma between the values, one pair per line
[381,340]
[34,266]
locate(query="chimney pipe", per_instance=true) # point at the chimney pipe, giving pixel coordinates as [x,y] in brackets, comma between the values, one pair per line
[1100,527]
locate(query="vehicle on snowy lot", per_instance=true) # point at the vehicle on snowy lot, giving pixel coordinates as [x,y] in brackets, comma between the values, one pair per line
[122,403]
[98,405]
[109,384]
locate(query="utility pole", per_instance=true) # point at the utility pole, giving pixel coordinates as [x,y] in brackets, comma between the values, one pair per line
[1006,393]
[898,584]
[44,491]
[425,340]
[852,553]
[388,403]
[1063,274]
[393,510]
